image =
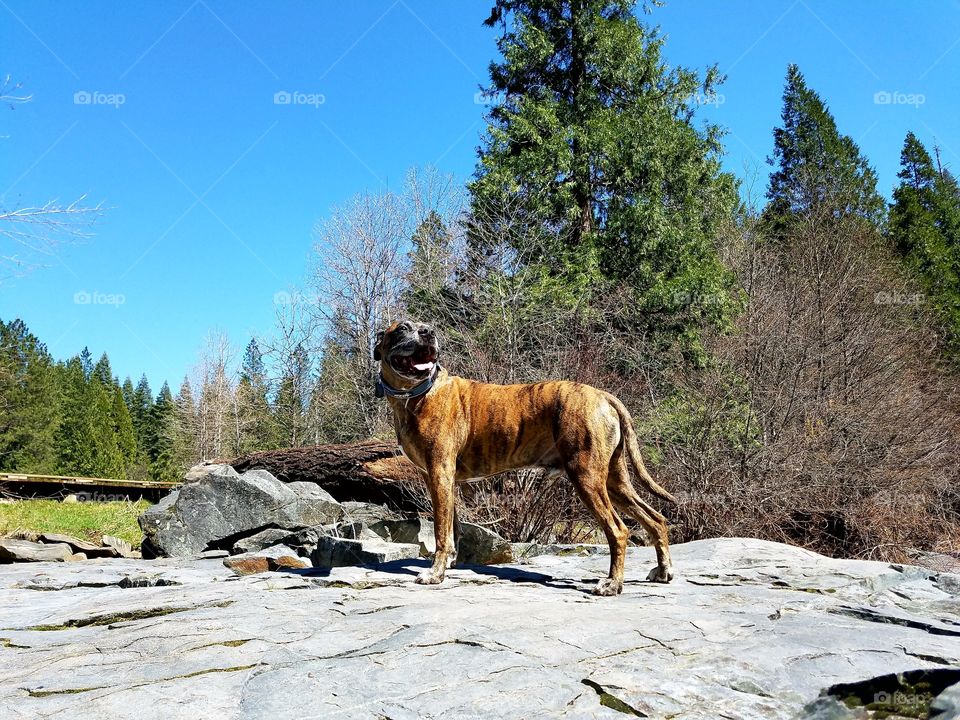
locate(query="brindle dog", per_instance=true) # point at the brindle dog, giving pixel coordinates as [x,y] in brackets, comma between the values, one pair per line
[456,429]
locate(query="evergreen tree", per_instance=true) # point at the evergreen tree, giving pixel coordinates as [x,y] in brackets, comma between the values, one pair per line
[258,429]
[75,441]
[593,151]
[86,362]
[87,441]
[163,462]
[186,444]
[293,398]
[338,413]
[142,405]
[924,223]
[124,434]
[103,372]
[428,290]
[29,401]
[129,395]
[817,168]
[107,458]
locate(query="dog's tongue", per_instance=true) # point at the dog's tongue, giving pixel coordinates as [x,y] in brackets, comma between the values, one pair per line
[424,366]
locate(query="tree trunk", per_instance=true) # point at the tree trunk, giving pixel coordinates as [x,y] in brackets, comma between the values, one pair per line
[368,471]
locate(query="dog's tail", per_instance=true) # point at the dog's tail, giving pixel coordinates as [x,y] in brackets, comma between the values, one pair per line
[633,447]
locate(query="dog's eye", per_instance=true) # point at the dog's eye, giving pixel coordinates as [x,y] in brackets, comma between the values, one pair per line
[405,327]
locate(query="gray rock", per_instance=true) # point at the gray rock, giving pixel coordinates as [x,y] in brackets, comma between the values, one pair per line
[476,545]
[13,550]
[479,546]
[124,548]
[946,706]
[315,505]
[367,513]
[749,629]
[213,554]
[415,530]
[213,508]
[260,540]
[531,550]
[277,557]
[304,541]
[338,552]
[350,530]
[829,708]
[198,472]
[80,546]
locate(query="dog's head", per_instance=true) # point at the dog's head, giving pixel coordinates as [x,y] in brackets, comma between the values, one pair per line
[408,352]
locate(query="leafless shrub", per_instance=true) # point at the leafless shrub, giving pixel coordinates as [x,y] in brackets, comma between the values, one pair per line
[845,435]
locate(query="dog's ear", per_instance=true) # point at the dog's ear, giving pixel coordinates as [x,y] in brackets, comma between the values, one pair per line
[376,348]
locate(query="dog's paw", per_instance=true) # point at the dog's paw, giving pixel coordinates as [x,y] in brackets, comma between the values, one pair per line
[429,577]
[660,574]
[608,586]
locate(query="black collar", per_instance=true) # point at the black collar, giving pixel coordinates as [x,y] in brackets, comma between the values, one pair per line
[384,388]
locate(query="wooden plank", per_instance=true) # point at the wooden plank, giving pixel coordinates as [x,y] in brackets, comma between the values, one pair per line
[86,481]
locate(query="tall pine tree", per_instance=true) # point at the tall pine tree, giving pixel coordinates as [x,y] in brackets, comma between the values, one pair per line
[161,450]
[293,398]
[817,168]
[124,434]
[258,430]
[87,440]
[29,401]
[593,151]
[924,228]
[186,443]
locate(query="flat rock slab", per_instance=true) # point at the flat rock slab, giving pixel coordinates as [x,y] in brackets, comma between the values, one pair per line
[16,550]
[749,629]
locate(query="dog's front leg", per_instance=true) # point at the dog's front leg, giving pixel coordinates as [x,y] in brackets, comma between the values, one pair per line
[443,497]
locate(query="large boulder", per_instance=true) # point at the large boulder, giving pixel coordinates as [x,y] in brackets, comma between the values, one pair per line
[219,506]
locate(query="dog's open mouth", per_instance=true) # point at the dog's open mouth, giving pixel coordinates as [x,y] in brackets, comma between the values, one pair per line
[420,362]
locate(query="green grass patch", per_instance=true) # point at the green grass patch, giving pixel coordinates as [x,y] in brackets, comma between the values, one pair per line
[85,520]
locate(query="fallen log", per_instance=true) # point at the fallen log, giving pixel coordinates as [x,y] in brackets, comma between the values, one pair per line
[369,471]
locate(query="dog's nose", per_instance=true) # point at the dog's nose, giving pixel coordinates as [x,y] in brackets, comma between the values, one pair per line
[426,332]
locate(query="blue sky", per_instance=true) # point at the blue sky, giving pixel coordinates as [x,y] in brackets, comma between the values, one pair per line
[213,189]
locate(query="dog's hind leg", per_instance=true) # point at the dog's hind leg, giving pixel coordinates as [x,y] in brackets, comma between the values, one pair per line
[591,487]
[625,497]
